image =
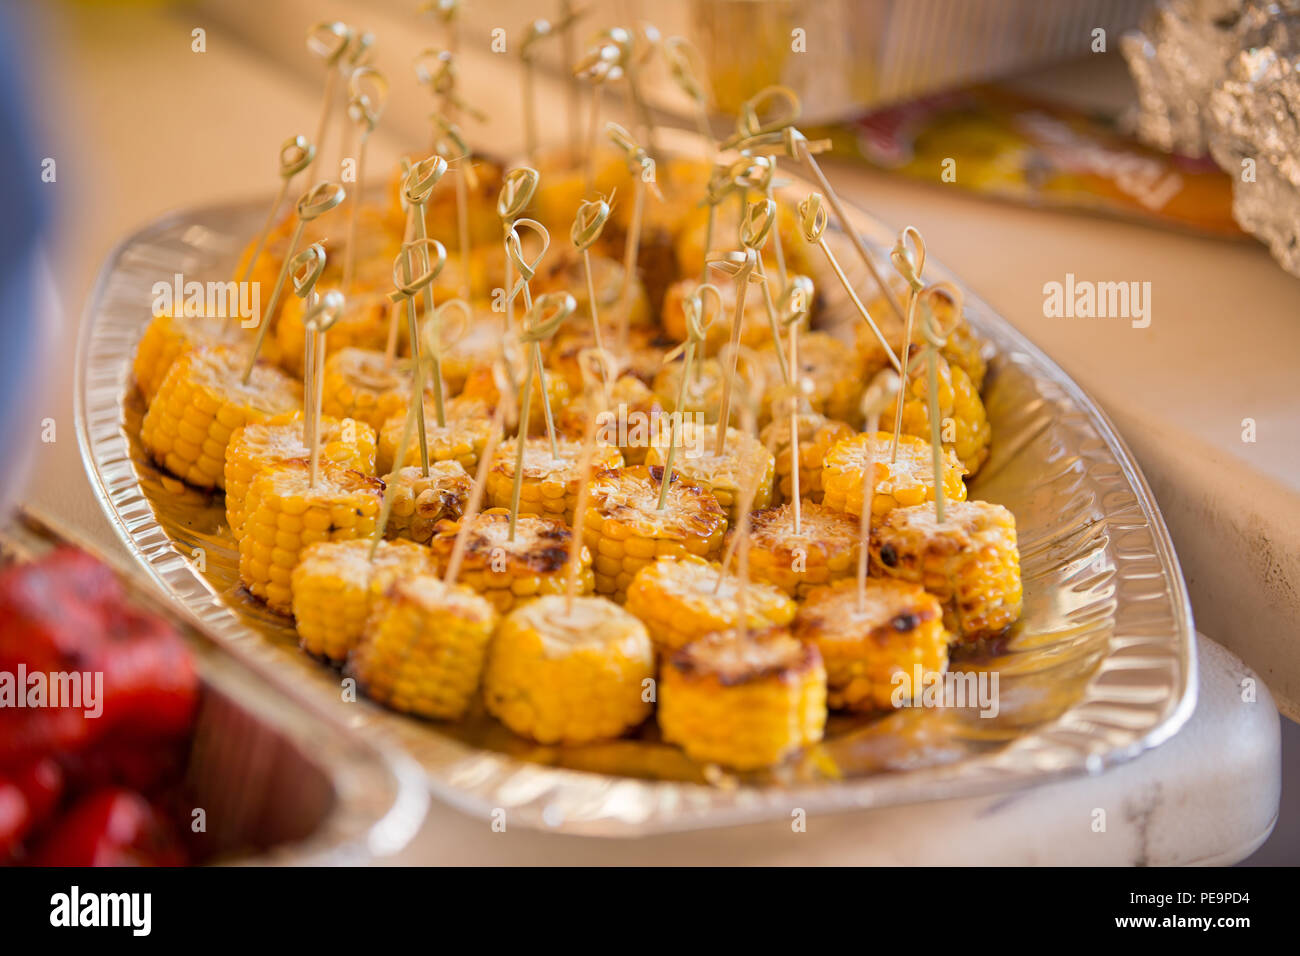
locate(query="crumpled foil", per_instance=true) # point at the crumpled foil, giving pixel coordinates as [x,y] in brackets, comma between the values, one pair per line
[1220,76]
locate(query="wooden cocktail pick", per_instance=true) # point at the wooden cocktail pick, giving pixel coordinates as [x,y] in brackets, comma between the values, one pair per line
[516,193]
[603,63]
[304,272]
[296,154]
[936,335]
[432,257]
[587,227]
[812,215]
[356,57]
[450,142]
[417,187]
[741,266]
[909,263]
[437,70]
[682,58]
[311,205]
[778,136]
[328,40]
[699,317]
[537,30]
[642,169]
[883,389]
[317,321]
[795,305]
[546,314]
[751,401]
[367,95]
[756,224]
[527,269]
[448,13]
[596,391]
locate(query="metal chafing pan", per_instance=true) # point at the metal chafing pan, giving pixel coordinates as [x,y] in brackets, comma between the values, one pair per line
[1100,668]
[280,784]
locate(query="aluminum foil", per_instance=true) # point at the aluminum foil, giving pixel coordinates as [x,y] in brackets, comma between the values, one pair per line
[1100,668]
[1221,76]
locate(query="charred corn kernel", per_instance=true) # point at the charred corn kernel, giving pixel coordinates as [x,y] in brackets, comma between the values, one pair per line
[755,326]
[363,325]
[550,485]
[421,501]
[481,387]
[508,572]
[703,392]
[570,676]
[479,347]
[166,337]
[963,348]
[284,513]
[423,647]
[632,418]
[348,443]
[971,562]
[909,480]
[832,370]
[825,548]
[566,273]
[680,600]
[333,585]
[744,701]
[816,436]
[744,460]
[626,530]
[360,384]
[964,425]
[201,401]
[897,629]
[462,439]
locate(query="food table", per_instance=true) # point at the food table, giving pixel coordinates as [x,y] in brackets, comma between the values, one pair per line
[1178,391]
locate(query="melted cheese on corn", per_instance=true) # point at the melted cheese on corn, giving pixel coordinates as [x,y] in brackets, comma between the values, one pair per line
[631,495]
[221,369]
[593,623]
[734,658]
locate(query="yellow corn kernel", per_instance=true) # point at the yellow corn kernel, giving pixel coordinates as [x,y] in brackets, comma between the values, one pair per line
[681,600]
[963,347]
[964,425]
[481,388]
[284,513]
[201,401]
[971,562]
[824,549]
[333,584]
[745,701]
[816,436]
[461,440]
[363,325]
[360,384]
[909,480]
[632,418]
[348,443]
[423,647]
[830,369]
[507,571]
[744,460]
[896,628]
[550,485]
[561,675]
[166,337]
[626,530]
[421,501]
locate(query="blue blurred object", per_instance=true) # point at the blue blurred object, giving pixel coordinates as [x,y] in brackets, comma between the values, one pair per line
[23,216]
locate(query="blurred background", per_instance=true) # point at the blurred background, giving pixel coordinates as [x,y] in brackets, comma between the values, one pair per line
[1055,130]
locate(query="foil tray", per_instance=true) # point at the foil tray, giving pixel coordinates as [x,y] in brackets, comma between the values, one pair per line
[1100,668]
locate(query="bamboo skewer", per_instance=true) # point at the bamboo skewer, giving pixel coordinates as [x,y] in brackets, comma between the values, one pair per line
[433,257]
[296,154]
[304,272]
[587,227]
[642,169]
[328,40]
[596,391]
[884,388]
[368,93]
[603,63]
[527,269]
[475,502]
[449,141]
[740,266]
[317,321]
[698,319]
[909,265]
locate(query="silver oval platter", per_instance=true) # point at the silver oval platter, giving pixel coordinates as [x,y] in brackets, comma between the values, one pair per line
[1100,667]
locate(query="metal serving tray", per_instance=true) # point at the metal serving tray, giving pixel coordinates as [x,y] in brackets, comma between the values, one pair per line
[1100,668]
[280,783]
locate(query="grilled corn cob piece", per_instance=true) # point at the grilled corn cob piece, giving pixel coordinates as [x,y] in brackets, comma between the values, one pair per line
[283,515]
[479,347]
[907,481]
[420,502]
[462,439]
[201,402]
[626,530]
[550,485]
[481,387]
[964,425]
[963,348]
[166,337]
[643,359]
[357,384]
[825,549]
[507,572]
[440,210]
[566,273]
[633,417]
[745,701]
[562,677]
[831,368]
[703,392]
[333,585]
[816,436]
[744,460]
[679,600]
[869,649]
[423,647]
[726,227]
[363,325]
[971,562]
[348,443]
[755,327]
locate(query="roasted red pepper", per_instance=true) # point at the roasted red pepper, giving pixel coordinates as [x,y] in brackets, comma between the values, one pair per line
[111,827]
